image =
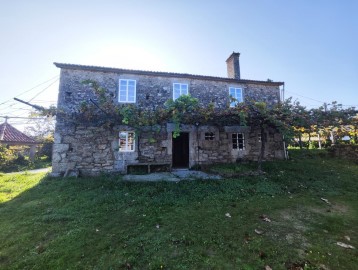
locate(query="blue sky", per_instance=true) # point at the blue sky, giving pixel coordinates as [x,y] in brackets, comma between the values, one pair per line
[310,45]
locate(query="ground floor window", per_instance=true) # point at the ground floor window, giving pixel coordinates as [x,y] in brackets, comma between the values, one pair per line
[238,141]
[126,141]
[209,136]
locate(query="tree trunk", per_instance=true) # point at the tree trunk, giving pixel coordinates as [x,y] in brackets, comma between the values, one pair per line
[300,140]
[319,141]
[333,139]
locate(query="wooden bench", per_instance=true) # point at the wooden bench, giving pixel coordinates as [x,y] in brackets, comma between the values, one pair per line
[145,168]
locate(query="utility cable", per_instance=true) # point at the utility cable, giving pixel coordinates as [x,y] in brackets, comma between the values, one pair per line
[306,97]
[43,90]
[31,89]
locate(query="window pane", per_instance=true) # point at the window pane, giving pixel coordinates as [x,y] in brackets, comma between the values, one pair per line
[126,141]
[131,91]
[232,92]
[238,95]
[127,90]
[176,93]
[176,86]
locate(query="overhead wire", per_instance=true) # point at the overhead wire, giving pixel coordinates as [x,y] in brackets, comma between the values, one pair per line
[57,76]
[43,90]
[306,97]
[28,118]
[320,101]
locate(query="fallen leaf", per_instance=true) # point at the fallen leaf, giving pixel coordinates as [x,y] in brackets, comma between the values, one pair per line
[258,232]
[267,267]
[347,238]
[325,200]
[345,245]
[228,215]
[265,218]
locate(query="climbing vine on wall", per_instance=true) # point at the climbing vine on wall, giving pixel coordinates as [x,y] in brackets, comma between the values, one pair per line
[183,110]
[105,111]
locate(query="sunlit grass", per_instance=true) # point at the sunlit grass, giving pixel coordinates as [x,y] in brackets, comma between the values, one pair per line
[11,185]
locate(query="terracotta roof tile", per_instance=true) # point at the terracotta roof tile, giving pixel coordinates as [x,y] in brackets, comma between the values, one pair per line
[9,134]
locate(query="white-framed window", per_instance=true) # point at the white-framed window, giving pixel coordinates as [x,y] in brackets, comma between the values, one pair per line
[209,136]
[126,141]
[235,93]
[127,91]
[238,141]
[180,89]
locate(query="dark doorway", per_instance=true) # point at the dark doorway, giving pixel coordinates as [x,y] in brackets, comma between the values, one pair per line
[180,151]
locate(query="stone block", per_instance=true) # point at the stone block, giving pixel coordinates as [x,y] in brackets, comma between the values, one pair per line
[57,138]
[102,146]
[60,147]
[56,157]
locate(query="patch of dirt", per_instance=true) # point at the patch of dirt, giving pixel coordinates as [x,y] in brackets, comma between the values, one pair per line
[289,226]
[294,219]
[340,208]
[336,208]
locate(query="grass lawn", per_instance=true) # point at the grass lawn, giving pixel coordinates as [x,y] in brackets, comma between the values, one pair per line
[105,223]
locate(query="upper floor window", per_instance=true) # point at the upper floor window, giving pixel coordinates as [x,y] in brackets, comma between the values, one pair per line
[235,93]
[127,91]
[126,141]
[179,89]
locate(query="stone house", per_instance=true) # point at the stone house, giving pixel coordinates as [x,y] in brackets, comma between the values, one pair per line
[93,149]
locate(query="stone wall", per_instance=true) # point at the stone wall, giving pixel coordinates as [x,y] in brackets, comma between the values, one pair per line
[92,149]
[155,91]
[346,151]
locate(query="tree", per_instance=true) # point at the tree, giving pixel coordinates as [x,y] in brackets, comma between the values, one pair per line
[42,130]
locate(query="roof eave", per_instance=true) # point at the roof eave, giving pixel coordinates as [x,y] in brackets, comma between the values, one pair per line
[164,74]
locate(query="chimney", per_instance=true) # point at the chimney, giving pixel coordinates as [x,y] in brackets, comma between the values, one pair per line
[233,66]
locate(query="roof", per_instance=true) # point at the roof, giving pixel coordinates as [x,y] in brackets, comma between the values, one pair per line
[164,74]
[9,134]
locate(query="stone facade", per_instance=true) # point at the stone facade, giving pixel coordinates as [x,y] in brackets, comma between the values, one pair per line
[93,149]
